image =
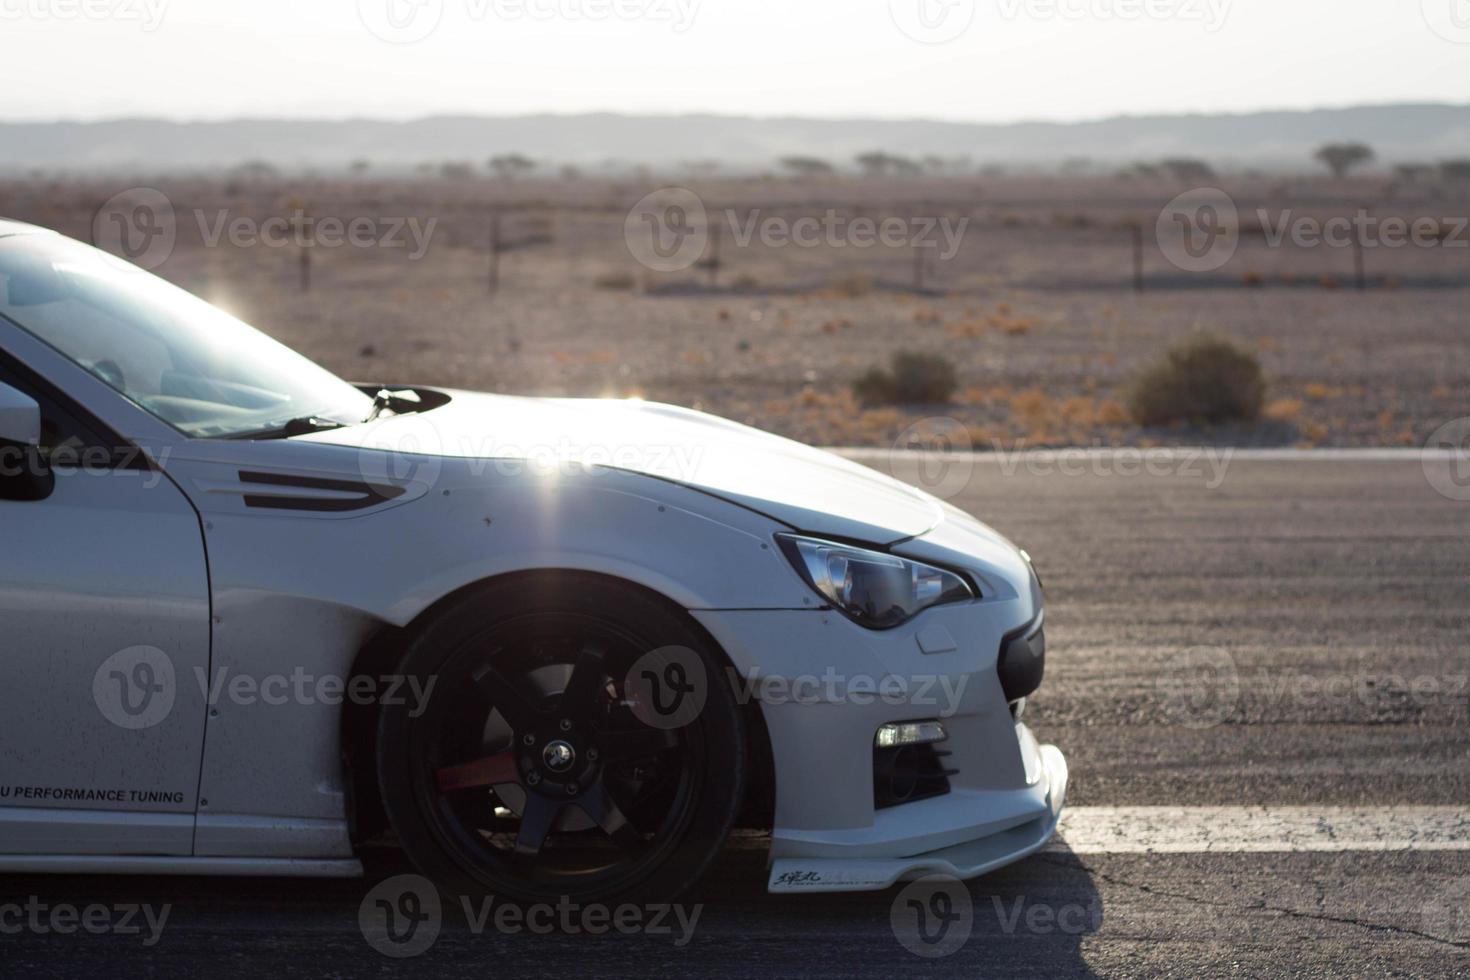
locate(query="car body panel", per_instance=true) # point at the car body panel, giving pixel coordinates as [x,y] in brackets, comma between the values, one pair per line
[107,563]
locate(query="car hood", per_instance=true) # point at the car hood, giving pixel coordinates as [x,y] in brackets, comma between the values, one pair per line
[806,488]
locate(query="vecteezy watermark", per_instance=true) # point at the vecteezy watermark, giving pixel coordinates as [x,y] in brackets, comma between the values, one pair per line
[1363,229]
[1212,14]
[833,229]
[1200,687]
[932,21]
[141,225]
[1446,460]
[43,918]
[1450,19]
[413,449]
[301,687]
[403,916]
[137,224]
[1199,230]
[939,694]
[1203,687]
[1205,464]
[410,21]
[298,229]
[1446,913]
[669,229]
[1021,915]
[933,917]
[136,688]
[75,459]
[147,14]
[667,688]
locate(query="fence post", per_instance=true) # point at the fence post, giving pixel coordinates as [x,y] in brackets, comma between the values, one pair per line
[1137,231]
[1360,265]
[714,253]
[494,275]
[303,259]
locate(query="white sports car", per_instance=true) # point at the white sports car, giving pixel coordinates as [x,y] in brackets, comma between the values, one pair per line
[256,615]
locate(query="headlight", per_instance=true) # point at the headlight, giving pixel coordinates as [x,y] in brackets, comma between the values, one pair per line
[877,590]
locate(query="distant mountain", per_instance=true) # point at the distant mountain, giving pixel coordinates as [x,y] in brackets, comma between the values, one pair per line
[1399,133]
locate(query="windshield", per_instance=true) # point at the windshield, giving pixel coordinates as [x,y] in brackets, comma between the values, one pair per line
[194,366]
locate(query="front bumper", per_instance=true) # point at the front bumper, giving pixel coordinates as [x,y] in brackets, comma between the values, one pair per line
[965,860]
[1006,793]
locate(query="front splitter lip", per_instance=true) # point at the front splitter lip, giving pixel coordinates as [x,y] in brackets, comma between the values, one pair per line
[965,860]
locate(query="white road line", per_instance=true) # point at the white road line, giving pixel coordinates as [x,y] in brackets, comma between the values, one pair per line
[1260,829]
[864,454]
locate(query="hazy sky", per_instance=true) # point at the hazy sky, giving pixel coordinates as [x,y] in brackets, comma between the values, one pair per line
[990,60]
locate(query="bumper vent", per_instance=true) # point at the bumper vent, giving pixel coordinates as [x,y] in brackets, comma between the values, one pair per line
[908,773]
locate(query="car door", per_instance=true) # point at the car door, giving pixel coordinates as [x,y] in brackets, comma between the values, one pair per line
[104,606]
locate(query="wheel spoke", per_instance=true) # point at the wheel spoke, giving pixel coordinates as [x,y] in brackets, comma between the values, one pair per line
[492,769]
[603,810]
[637,743]
[536,822]
[580,696]
[506,695]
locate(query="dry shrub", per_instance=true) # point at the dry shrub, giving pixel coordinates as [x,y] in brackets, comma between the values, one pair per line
[910,379]
[1319,392]
[1284,409]
[615,280]
[1204,378]
[852,287]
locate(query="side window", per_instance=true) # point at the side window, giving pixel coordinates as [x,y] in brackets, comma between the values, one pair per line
[65,438]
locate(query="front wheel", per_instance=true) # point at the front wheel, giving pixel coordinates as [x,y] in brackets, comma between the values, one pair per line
[579,740]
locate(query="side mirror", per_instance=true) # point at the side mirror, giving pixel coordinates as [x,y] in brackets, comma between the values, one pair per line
[25,473]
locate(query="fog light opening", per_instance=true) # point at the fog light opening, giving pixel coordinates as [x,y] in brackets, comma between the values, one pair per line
[909,733]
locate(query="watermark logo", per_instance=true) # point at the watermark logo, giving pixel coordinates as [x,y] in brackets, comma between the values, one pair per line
[400,450]
[1211,13]
[400,21]
[667,688]
[43,918]
[135,688]
[401,916]
[1199,230]
[148,14]
[935,455]
[832,229]
[1046,919]
[933,917]
[137,224]
[1446,915]
[932,21]
[1200,687]
[667,230]
[1450,19]
[1446,460]
[301,230]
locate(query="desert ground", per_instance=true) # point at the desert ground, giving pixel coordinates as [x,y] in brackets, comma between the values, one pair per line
[1032,299]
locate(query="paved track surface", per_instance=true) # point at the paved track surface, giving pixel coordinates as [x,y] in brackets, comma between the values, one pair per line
[1298,635]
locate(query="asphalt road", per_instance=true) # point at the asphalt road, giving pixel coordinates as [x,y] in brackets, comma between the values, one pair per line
[1287,632]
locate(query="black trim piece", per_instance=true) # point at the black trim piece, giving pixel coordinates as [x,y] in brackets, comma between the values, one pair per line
[1021,662]
[371,494]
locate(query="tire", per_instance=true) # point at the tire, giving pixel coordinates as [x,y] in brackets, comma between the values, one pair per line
[541,765]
